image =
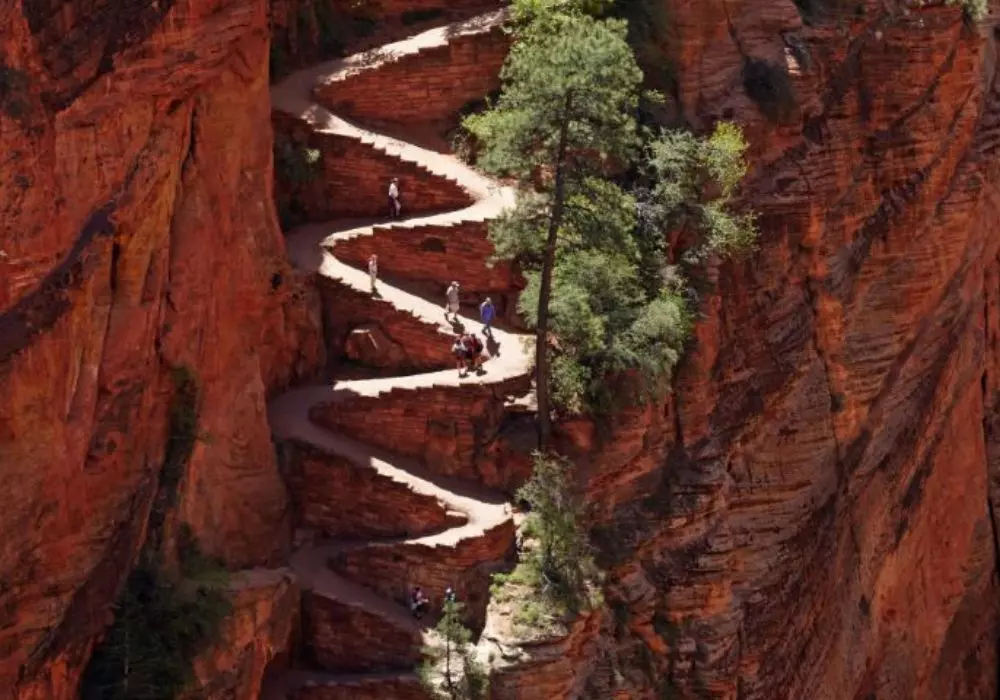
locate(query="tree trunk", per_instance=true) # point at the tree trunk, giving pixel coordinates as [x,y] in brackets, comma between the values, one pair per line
[545,291]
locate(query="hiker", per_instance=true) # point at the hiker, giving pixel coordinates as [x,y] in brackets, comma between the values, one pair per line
[476,355]
[451,301]
[394,205]
[458,350]
[418,602]
[373,270]
[473,352]
[449,595]
[486,313]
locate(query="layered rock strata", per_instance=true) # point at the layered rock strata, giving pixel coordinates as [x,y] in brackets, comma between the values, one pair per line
[137,238]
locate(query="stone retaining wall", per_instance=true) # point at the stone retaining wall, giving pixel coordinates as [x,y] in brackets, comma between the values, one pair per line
[430,86]
[343,500]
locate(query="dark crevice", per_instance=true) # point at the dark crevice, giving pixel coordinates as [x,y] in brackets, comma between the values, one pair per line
[192,147]
[895,199]
[39,310]
[836,398]
[116,252]
[996,537]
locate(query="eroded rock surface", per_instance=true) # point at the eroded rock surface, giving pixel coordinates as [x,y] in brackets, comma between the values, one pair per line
[137,236]
[817,520]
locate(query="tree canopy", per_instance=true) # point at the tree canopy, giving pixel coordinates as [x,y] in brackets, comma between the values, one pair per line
[598,201]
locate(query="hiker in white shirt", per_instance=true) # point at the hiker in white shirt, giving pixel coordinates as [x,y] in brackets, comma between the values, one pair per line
[451,301]
[394,206]
[373,270]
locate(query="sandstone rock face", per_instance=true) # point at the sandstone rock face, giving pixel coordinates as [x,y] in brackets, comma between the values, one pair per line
[349,639]
[450,77]
[809,517]
[452,429]
[307,31]
[554,666]
[332,497]
[137,235]
[265,614]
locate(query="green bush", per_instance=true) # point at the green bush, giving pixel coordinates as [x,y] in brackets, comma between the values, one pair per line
[161,625]
[975,10]
[299,164]
[562,567]
[452,671]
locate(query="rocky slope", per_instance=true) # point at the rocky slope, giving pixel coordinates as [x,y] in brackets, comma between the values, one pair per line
[138,243]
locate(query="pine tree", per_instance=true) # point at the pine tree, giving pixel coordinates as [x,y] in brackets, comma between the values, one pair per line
[462,676]
[563,549]
[563,120]
[605,293]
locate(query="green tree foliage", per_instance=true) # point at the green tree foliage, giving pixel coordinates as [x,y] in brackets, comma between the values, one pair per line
[601,295]
[570,87]
[692,195]
[297,166]
[454,673]
[563,556]
[161,624]
[975,10]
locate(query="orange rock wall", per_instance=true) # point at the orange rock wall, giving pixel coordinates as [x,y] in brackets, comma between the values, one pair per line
[463,71]
[308,31]
[332,496]
[449,444]
[393,572]
[137,233]
[415,346]
[559,667]
[442,253]
[348,639]
[265,615]
[353,180]
[809,516]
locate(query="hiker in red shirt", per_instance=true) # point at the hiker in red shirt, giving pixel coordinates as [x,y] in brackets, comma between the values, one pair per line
[473,352]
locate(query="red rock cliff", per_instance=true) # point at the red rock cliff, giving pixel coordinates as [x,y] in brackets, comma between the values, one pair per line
[137,235]
[814,520]
[809,516]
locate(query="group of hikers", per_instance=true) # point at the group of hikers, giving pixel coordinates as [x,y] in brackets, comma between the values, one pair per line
[467,348]
[419,602]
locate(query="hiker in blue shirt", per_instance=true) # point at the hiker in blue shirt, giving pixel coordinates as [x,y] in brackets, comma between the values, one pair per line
[486,313]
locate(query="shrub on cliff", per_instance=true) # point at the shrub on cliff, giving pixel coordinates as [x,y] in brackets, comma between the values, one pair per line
[452,671]
[694,181]
[161,623]
[975,10]
[563,556]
